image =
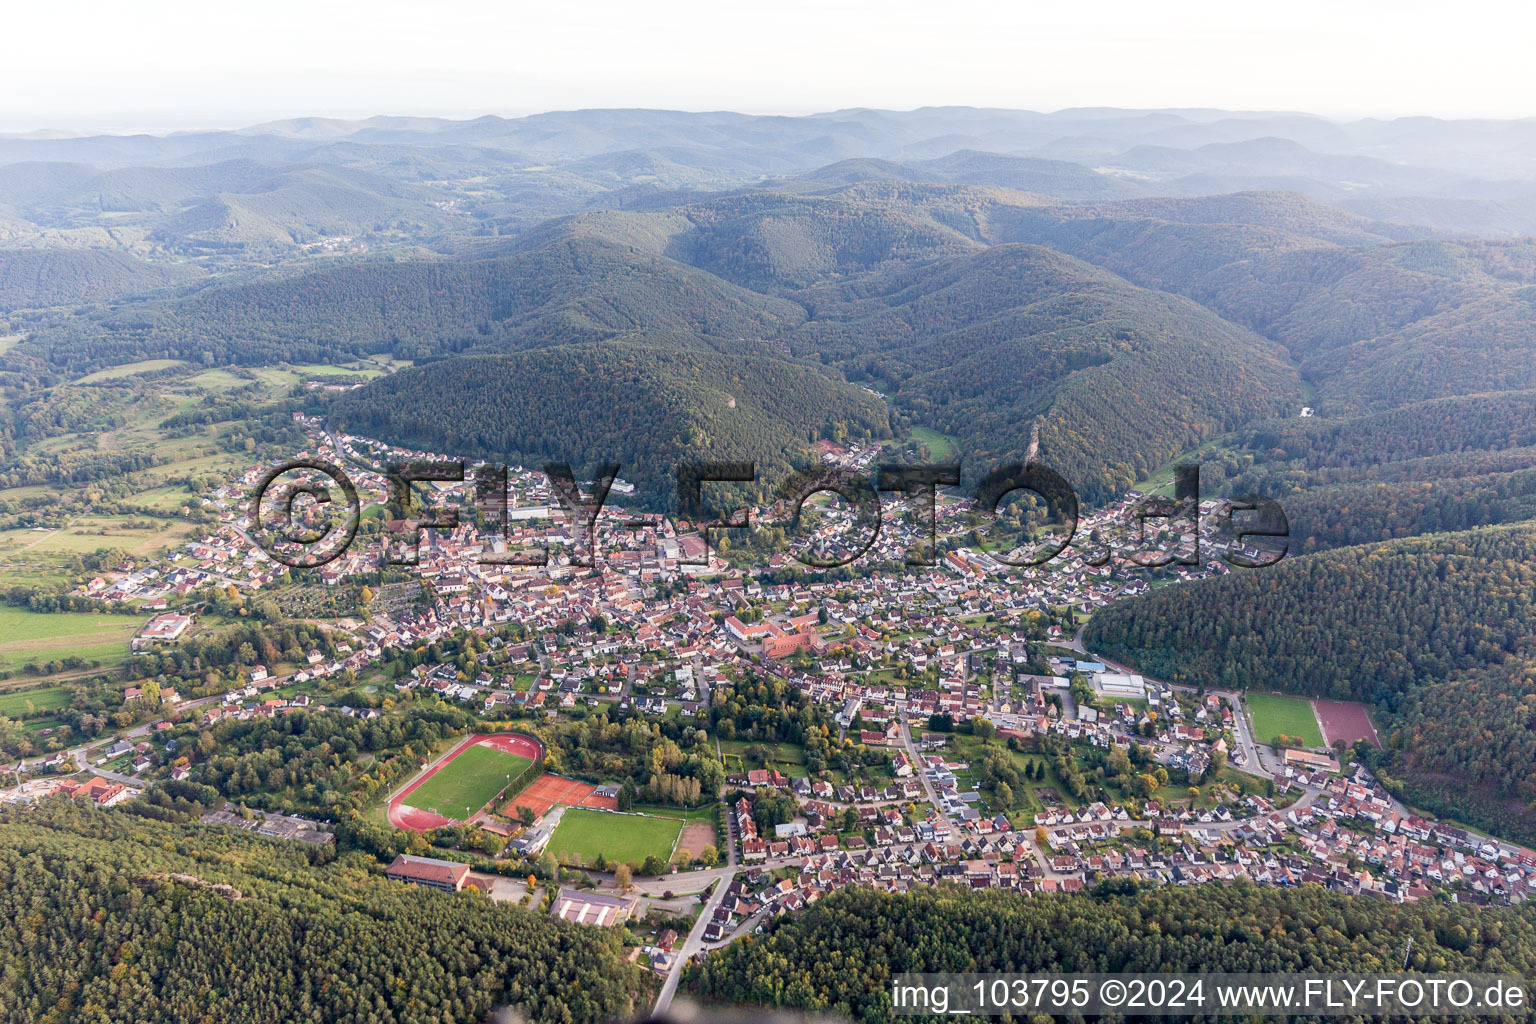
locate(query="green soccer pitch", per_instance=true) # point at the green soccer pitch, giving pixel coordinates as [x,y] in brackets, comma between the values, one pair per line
[464,785]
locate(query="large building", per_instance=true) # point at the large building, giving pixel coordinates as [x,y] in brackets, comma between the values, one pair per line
[1119,684]
[593,908]
[1307,759]
[788,643]
[162,629]
[429,871]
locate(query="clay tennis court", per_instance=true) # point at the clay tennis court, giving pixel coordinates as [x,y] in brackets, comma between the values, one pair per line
[1345,721]
[548,790]
[402,815]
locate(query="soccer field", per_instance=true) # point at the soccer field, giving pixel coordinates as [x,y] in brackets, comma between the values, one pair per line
[464,785]
[582,834]
[1274,715]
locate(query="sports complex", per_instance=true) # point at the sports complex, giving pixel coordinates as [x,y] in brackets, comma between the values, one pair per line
[462,784]
[579,821]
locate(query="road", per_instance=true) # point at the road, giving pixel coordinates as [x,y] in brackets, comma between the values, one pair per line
[78,754]
[694,944]
[1253,761]
[921,767]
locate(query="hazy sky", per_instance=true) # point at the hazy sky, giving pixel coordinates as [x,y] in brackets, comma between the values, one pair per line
[160,64]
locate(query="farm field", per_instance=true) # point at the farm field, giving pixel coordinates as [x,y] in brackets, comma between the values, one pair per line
[583,834]
[40,636]
[90,533]
[467,783]
[1274,715]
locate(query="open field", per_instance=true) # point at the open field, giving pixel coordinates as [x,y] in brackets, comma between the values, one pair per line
[1274,715]
[89,533]
[1345,720]
[463,782]
[697,835]
[40,637]
[312,370]
[583,834]
[128,370]
[15,703]
[940,446]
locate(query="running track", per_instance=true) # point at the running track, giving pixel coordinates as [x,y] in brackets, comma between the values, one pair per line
[402,815]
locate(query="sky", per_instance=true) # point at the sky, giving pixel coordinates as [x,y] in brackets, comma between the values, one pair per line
[158,65]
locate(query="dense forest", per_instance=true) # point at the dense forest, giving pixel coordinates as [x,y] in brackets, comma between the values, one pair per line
[1424,629]
[569,290]
[1421,441]
[37,278]
[840,955]
[1326,517]
[115,918]
[982,345]
[921,289]
[319,762]
[647,403]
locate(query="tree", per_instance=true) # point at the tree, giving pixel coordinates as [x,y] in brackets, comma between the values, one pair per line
[547,866]
[623,877]
[708,856]
[626,799]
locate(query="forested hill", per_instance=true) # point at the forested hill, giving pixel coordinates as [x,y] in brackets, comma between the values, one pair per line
[570,290]
[1432,631]
[1440,465]
[1130,331]
[981,345]
[38,278]
[1373,325]
[841,954]
[647,402]
[117,919]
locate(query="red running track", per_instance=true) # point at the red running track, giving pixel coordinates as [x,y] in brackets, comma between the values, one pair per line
[402,815]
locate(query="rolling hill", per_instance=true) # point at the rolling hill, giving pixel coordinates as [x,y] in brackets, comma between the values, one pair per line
[646,401]
[569,290]
[38,278]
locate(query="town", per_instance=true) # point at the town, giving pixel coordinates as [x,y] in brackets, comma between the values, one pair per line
[973,739]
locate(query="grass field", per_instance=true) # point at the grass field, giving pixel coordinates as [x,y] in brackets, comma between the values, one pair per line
[464,785]
[940,446]
[582,834]
[15,703]
[128,370]
[1274,715]
[39,636]
[312,370]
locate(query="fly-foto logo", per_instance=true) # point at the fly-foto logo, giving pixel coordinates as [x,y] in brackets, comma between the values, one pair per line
[289,501]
